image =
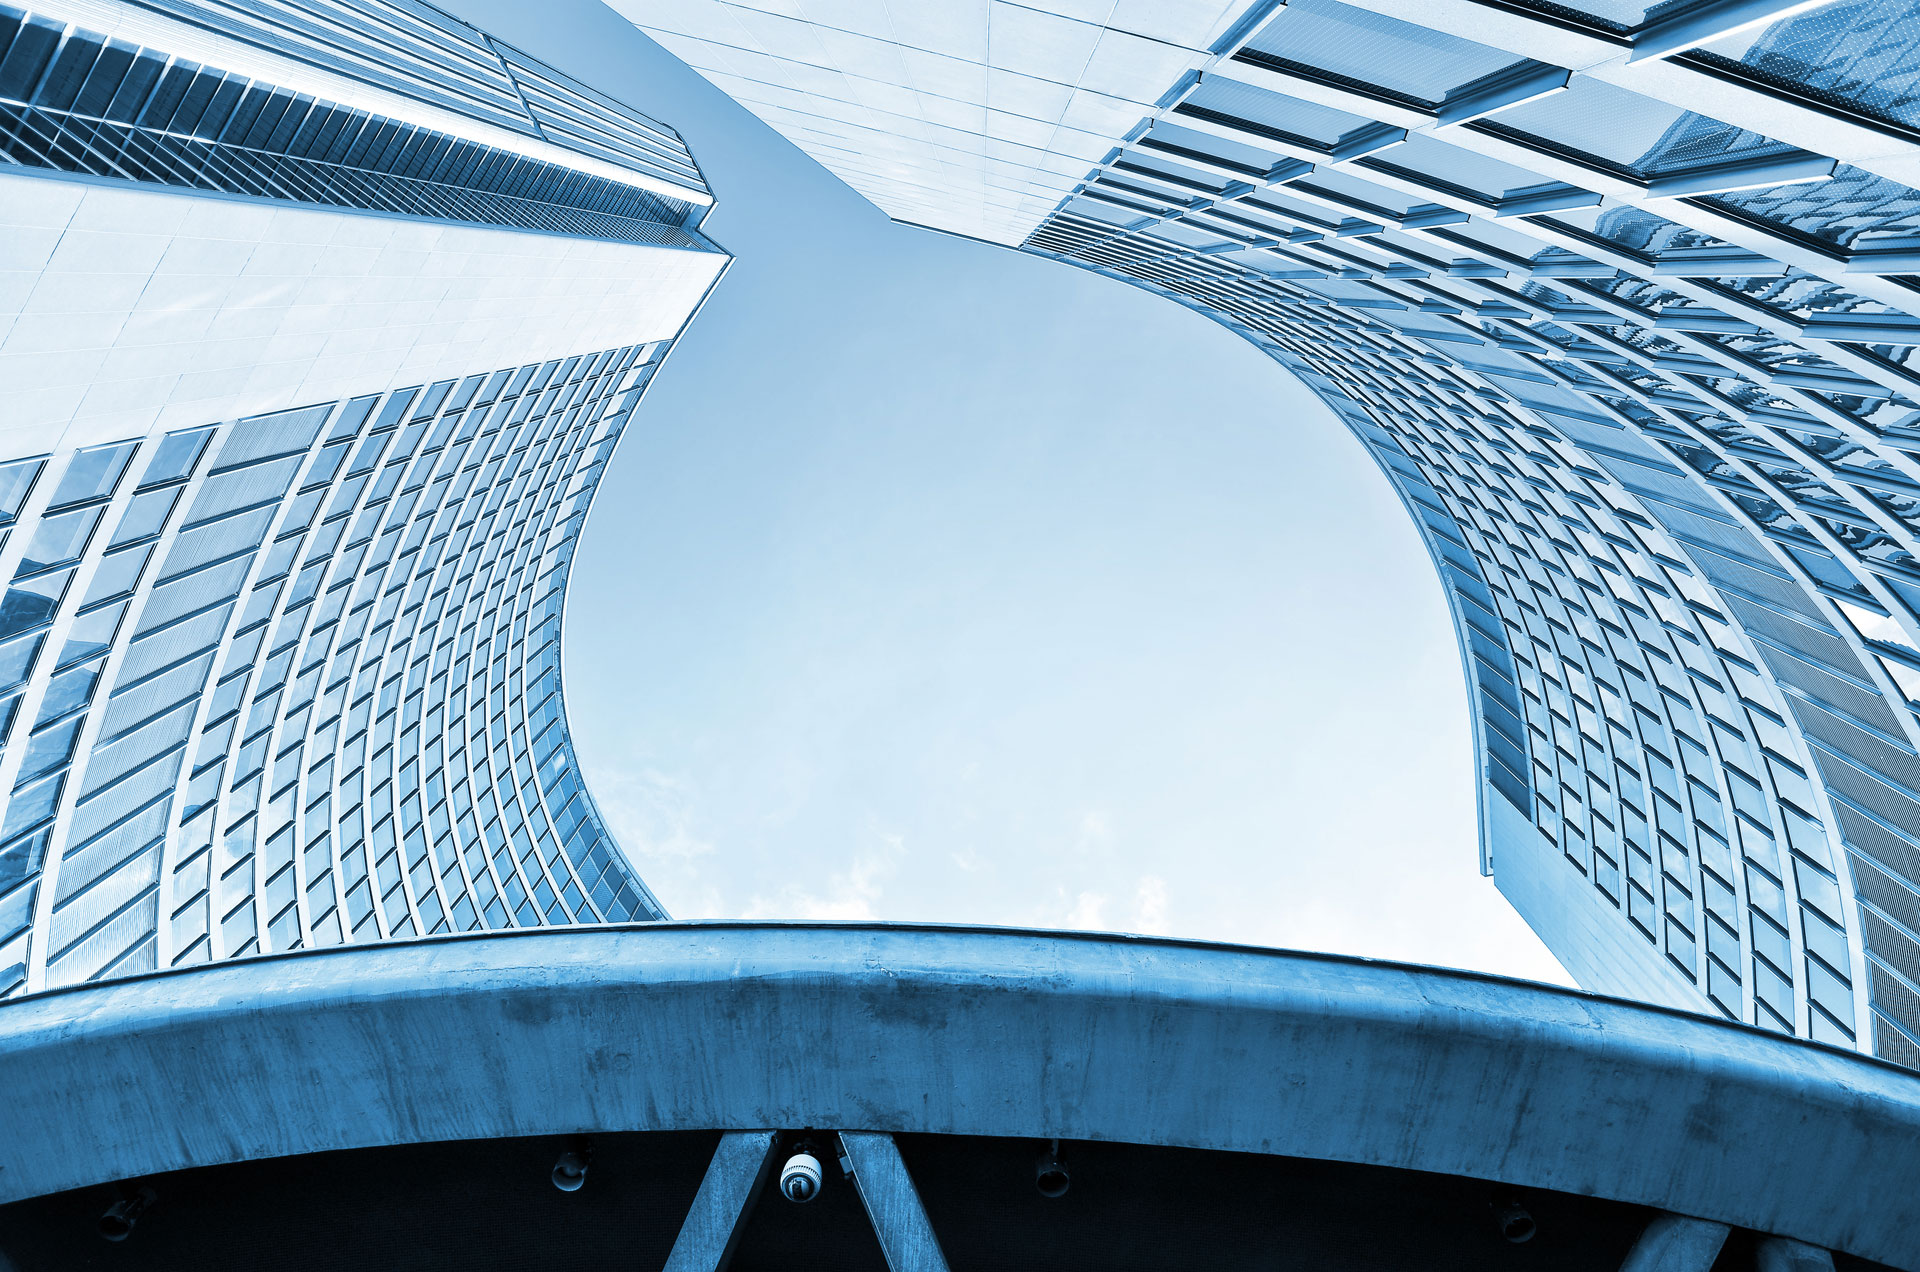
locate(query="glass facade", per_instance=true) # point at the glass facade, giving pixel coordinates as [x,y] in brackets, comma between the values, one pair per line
[293,679]
[73,100]
[426,55]
[1626,301]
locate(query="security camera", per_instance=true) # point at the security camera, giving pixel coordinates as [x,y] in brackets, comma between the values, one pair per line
[570,1170]
[117,1223]
[1513,1220]
[1049,1176]
[800,1177]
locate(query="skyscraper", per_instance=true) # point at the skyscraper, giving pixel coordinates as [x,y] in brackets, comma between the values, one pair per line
[324,320]
[1622,299]
[329,314]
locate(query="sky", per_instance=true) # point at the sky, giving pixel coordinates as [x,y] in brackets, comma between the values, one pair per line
[932,581]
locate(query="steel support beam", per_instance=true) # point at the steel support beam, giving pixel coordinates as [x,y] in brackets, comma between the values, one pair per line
[712,1227]
[1673,1243]
[892,1202]
[1783,1254]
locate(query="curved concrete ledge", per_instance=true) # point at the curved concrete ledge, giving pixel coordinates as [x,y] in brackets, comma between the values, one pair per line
[980,1032]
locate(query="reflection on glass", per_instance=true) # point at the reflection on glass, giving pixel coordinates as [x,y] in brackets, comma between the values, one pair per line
[59,539]
[15,480]
[1862,56]
[91,633]
[145,515]
[1839,212]
[175,457]
[70,689]
[48,749]
[91,474]
[32,603]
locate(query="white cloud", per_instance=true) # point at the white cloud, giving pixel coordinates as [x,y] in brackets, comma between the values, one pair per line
[850,894]
[651,813]
[1089,911]
[1150,906]
[652,817]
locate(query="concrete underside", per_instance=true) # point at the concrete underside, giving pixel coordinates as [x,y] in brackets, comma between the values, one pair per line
[476,1206]
[918,1031]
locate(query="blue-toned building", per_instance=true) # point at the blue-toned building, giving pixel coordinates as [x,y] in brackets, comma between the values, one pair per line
[323,321]
[1625,300]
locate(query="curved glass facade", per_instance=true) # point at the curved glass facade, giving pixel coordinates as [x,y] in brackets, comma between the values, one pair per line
[289,676]
[1620,299]
[295,680]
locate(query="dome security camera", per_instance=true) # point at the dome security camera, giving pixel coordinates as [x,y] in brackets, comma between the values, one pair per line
[570,1169]
[801,1177]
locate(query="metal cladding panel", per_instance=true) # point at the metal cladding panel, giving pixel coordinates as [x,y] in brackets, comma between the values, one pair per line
[972,116]
[146,308]
[1623,298]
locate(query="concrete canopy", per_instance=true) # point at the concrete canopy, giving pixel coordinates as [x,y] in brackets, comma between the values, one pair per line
[963,1031]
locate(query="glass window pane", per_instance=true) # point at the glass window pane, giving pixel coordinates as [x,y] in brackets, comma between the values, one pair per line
[49,750]
[16,659]
[1860,55]
[176,456]
[1286,116]
[91,474]
[1853,205]
[71,688]
[31,604]
[117,574]
[91,633]
[15,480]
[1635,134]
[1369,49]
[59,539]
[146,514]
[1451,166]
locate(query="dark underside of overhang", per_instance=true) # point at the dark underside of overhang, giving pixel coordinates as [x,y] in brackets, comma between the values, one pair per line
[468,1207]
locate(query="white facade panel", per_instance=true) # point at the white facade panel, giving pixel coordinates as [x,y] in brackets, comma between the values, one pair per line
[129,308]
[975,116]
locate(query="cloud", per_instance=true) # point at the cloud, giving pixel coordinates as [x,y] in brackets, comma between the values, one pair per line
[652,817]
[650,813]
[1150,906]
[1089,911]
[850,894]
